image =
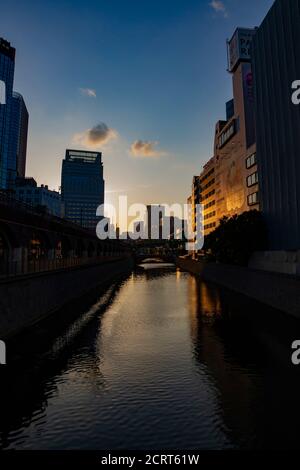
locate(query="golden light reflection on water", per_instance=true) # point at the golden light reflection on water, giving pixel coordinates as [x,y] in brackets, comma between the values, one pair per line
[203,298]
[178,275]
[204,303]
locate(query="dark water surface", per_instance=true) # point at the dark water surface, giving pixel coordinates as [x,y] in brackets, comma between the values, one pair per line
[159,361]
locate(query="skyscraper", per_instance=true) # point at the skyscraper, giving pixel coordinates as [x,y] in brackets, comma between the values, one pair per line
[18,137]
[82,186]
[13,122]
[7,67]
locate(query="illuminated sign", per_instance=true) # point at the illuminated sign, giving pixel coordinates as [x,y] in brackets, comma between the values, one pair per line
[239,47]
[2,92]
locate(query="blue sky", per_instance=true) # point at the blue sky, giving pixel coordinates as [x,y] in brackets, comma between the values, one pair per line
[157,68]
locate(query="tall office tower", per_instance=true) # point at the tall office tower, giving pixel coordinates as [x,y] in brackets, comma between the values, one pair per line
[18,139]
[82,186]
[153,223]
[13,121]
[276,67]
[7,67]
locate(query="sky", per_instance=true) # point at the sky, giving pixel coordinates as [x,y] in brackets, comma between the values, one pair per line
[143,81]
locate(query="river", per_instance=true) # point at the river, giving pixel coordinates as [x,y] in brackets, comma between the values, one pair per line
[160,360]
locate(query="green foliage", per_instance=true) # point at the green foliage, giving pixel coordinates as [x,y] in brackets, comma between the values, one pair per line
[236,238]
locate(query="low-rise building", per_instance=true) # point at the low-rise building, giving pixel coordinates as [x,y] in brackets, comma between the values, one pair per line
[29,192]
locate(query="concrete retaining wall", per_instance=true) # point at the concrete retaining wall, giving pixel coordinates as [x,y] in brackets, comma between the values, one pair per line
[287,262]
[27,299]
[279,291]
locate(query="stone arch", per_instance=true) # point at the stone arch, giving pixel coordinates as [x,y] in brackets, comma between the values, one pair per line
[64,247]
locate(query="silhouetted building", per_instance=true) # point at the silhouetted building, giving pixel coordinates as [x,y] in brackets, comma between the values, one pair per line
[7,67]
[13,121]
[229,109]
[82,186]
[154,221]
[27,191]
[276,67]
[18,136]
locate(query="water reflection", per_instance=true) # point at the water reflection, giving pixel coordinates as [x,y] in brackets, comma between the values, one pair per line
[160,360]
[246,349]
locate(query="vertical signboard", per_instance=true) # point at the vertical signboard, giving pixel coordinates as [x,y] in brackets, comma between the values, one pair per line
[239,47]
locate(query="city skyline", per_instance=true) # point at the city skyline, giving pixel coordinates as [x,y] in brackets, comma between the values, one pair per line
[152,301]
[138,108]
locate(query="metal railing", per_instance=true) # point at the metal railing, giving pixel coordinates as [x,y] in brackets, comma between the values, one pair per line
[10,269]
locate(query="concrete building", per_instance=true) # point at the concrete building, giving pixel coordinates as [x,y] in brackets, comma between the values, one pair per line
[208,196]
[27,191]
[195,201]
[236,178]
[228,183]
[276,67]
[82,186]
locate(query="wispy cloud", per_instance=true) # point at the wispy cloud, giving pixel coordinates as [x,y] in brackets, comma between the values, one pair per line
[219,7]
[145,149]
[88,92]
[96,137]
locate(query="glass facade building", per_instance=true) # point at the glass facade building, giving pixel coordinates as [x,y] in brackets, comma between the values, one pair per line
[7,67]
[13,122]
[82,186]
[18,139]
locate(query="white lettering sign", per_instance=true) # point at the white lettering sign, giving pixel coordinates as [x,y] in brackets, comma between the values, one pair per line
[2,353]
[296,354]
[296,94]
[2,92]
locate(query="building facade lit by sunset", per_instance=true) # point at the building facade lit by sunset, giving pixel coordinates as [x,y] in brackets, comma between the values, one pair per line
[208,196]
[228,183]
[236,177]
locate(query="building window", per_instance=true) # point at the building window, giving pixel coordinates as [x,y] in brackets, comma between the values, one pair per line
[210,204]
[208,226]
[226,135]
[253,199]
[210,183]
[252,179]
[211,193]
[210,215]
[207,175]
[251,161]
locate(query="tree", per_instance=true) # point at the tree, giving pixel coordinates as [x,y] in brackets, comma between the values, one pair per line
[236,238]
